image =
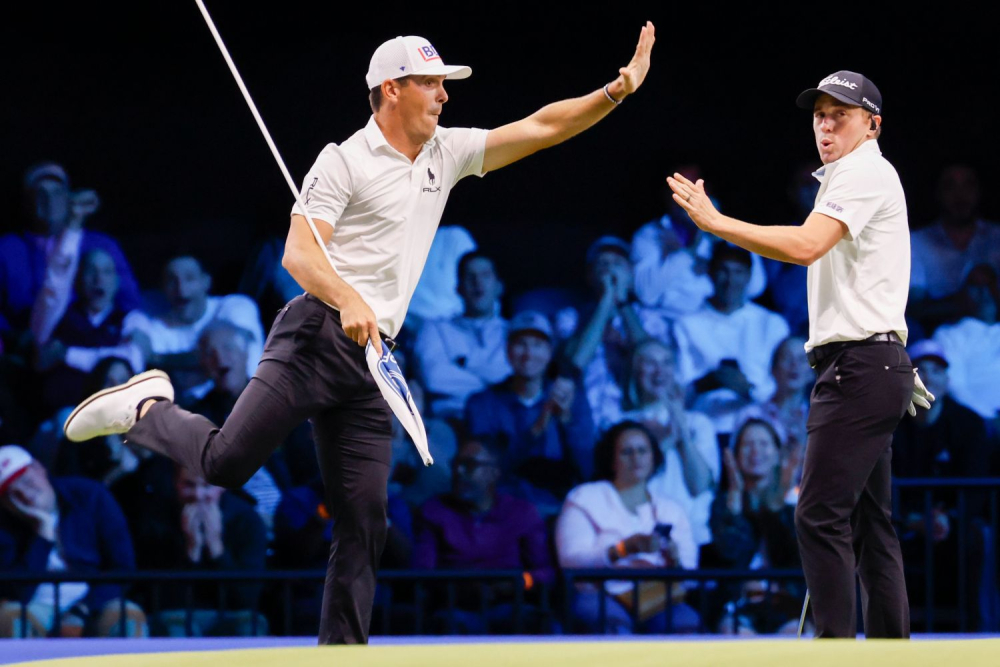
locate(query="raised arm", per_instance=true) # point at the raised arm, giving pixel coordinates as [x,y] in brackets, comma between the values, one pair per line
[797,245]
[557,122]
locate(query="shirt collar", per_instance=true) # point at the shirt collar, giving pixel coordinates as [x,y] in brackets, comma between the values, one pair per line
[376,140]
[870,146]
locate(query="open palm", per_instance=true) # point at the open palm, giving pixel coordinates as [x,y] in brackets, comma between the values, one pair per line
[635,72]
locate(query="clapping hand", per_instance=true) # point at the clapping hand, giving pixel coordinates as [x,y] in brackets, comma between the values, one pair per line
[734,499]
[691,197]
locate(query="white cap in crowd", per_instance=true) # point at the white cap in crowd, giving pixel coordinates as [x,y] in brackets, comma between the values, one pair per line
[14,461]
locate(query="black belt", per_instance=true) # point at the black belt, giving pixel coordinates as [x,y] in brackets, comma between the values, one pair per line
[818,354]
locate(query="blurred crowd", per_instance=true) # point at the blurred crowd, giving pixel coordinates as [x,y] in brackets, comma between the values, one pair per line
[654,418]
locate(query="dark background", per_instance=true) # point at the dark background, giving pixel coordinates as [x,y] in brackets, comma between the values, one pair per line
[136,101]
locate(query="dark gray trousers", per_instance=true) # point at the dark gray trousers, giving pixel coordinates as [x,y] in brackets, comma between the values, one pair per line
[310,369]
[844,511]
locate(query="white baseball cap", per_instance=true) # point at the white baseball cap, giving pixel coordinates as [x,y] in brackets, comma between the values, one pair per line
[14,461]
[408,55]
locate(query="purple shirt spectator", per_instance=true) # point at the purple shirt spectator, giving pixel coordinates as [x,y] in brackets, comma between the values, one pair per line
[509,536]
[474,527]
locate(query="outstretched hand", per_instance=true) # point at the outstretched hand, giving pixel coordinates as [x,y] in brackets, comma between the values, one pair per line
[691,197]
[635,72]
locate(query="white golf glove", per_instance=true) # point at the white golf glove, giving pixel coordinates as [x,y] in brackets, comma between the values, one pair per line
[920,396]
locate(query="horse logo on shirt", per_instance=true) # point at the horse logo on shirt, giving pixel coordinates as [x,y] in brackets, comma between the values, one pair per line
[432,179]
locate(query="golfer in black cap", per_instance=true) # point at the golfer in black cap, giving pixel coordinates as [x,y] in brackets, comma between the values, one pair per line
[856,244]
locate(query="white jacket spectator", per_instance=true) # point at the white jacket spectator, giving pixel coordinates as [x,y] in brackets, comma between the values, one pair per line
[726,347]
[670,277]
[436,296]
[466,354]
[170,341]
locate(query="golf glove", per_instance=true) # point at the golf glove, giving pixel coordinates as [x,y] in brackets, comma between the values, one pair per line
[920,396]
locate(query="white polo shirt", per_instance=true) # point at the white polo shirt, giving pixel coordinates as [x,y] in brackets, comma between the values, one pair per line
[385,209]
[859,287]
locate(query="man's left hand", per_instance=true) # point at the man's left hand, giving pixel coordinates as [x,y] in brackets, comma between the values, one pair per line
[691,197]
[633,74]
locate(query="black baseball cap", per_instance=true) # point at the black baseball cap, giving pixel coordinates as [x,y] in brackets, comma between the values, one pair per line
[846,86]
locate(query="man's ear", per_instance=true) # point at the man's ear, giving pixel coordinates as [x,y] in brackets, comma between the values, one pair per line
[390,90]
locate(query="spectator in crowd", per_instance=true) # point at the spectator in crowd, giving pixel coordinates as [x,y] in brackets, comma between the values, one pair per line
[62,524]
[754,528]
[972,346]
[670,255]
[787,410]
[475,527]
[435,297]
[655,398]
[726,347]
[546,423]
[38,265]
[90,330]
[786,282]
[169,342]
[947,441]
[611,327]
[460,356]
[621,521]
[945,252]
[210,530]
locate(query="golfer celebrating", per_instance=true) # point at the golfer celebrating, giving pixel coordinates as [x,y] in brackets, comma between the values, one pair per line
[856,244]
[377,200]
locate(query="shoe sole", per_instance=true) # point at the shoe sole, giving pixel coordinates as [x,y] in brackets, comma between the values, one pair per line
[137,379]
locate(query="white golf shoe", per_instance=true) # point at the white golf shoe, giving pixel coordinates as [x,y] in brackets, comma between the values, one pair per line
[115,409]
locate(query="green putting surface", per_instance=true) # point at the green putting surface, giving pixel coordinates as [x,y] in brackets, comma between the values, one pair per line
[752,653]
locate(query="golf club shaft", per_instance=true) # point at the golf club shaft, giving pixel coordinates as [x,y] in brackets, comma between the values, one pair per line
[802,618]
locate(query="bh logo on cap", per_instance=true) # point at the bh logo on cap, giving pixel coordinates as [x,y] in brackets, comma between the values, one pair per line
[428,53]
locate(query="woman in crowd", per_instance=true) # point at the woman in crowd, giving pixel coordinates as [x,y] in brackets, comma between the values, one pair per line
[788,409]
[754,527]
[655,398]
[621,521]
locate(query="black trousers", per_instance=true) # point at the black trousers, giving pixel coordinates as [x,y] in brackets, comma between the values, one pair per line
[844,511]
[310,369]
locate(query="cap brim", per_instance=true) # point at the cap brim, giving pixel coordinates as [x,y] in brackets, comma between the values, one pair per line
[930,355]
[448,71]
[531,330]
[807,98]
[13,477]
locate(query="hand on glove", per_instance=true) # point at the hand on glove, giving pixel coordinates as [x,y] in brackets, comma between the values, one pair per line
[920,396]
